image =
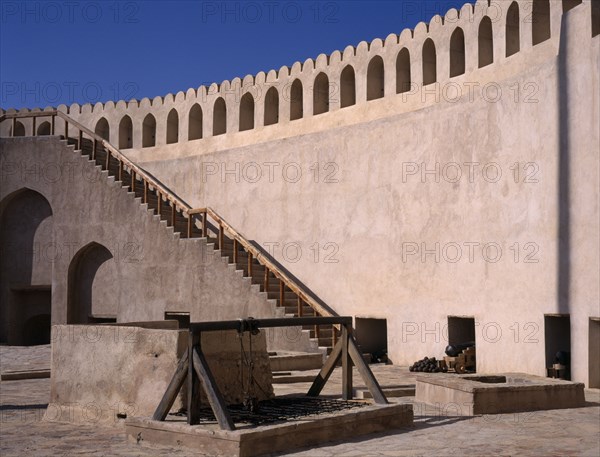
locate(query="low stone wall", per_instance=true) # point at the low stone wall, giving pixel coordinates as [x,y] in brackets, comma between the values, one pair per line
[105,373]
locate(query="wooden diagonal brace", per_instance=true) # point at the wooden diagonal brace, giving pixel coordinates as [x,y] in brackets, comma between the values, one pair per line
[326,371]
[365,372]
[173,389]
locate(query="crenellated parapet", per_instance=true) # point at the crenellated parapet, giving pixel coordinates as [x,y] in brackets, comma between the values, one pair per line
[479,37]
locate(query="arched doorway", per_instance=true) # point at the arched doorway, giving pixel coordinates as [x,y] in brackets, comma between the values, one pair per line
[28,252]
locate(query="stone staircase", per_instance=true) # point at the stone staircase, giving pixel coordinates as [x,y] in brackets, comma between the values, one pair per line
[283,300]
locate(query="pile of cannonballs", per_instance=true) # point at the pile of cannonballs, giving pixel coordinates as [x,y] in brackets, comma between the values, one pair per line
[427,365]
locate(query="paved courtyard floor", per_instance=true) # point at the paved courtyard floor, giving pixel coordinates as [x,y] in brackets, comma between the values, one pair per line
[436,432]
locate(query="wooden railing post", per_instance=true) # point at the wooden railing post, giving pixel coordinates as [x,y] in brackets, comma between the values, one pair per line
[346,364]
[33,124]
[333,336]
[52,122]
[300,306]
[80,140]
[235,250]
[266,279]
[317,328]
[145,192]
[221,237]
[189,225]
[120,171]
[173,213]
[14,126]
[94,149]
[249,264]
[107,159]
[204,225]
[132,180]
[66,130]
[281,292]
[159,199]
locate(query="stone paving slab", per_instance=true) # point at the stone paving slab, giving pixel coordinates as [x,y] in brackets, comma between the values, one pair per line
[437,431]
[21,358]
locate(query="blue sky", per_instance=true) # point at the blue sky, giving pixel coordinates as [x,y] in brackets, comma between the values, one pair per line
[54,52]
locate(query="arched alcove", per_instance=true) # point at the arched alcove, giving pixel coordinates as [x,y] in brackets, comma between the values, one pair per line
[149,131]
[347,86]
[429,62]
[486,42]
[92,284]
[375,78]
[271,107]
[19,129]
[540,21]
[403,76]
[44,129]
[125,133]
[219,117]
[321,94]
[27,251]
[195,120]
[246,112]
[102,129]
[172,127]
[457,52]
[296,100]
[513,30]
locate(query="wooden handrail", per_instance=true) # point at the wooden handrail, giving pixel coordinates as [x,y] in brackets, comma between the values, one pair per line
[259,255]
[163,192]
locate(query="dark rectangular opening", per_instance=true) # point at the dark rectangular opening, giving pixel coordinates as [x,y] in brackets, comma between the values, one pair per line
[461,330]
[371,336]
[557,336]
[182,318]
[593,353]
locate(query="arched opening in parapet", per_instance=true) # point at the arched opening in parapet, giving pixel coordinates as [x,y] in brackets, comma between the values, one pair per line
[486,42]
[125,133]
[172,127]
[321,94]
[595,18]
[375,78]
[347,87]
[457,53]
[92,292]
[513,30]
[44,129]
[246,112]
[195,120]
[403,78]
[271,107]
[28,253]
[429,62]
[540,21]
[568,4]
[19,129]
[102,129]
[219,117]
[296,101]
[149,131]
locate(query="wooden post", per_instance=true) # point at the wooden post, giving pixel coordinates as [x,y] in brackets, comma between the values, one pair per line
[204,225]
[333,336]
[249,264]
[66,130]
[365,372]
[52,122]
[108,159]
[193,385]
[159,202]
[189,226]
[14,125]
[145,192]
[173,213]
[132,180]
[346,365]
[266,279]
[325,373]
[281,292]
[33,123]
[300,306]
[235,250]
[80,140]
[94,149]
[317,328]
[221,235]
[121,171]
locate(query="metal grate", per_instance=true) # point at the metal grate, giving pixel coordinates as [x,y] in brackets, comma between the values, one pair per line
[280,410]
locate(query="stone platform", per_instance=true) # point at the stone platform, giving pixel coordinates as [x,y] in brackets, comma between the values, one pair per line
[468,395]
[249,440]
